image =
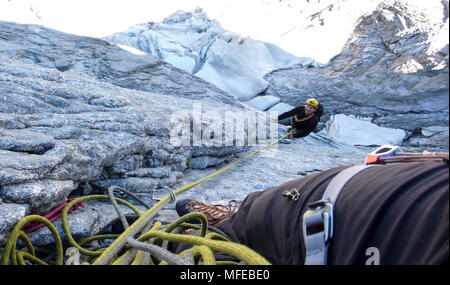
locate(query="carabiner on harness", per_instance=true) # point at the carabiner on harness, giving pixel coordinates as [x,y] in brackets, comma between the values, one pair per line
[293,194]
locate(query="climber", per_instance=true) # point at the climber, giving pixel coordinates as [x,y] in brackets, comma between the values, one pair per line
[388,214]
[306,118]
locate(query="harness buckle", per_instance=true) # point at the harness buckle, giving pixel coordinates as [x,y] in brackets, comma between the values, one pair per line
[319,218]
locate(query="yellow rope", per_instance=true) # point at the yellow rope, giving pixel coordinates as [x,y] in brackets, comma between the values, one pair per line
[82,199]
[240,251]
[16,233]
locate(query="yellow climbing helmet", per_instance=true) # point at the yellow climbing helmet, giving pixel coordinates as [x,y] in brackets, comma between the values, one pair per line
[313,102]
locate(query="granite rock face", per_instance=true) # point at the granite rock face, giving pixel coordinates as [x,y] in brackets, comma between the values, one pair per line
[43,194]
[10,214]
[78,115]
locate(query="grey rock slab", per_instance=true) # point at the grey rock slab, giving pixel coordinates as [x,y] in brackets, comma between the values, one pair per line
[10,214]
[24,141]
[263,103]
[138,184]
[156,172]
[214,150]
[270,168]
[102,60]
[203,162]
[43,194]
[434,130]
[17,167]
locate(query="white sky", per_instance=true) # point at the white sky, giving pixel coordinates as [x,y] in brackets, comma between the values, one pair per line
[289,28]
[99,18]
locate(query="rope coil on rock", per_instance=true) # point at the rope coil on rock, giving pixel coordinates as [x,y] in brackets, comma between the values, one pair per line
[146,248]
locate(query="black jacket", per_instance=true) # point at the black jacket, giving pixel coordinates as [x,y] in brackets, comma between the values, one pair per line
[305,127]
[400,209]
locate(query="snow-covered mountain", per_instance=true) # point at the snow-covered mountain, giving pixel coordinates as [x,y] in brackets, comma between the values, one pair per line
[200,46]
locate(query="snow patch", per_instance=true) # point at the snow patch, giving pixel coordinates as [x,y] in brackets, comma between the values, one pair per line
[131,49]
[355,132]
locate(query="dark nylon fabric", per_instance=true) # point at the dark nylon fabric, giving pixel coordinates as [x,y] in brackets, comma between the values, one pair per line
[400,209]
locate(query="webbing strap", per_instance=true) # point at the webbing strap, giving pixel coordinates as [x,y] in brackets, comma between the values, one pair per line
[339,181]
[304,119]
[318,220]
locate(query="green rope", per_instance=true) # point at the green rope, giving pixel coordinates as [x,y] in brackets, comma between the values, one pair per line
[83,199]
[15,233]
[22,255]
[240,251]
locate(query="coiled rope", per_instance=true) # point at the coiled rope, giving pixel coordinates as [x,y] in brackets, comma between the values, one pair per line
[147,248]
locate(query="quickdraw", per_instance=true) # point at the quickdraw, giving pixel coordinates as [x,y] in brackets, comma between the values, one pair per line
[393,154]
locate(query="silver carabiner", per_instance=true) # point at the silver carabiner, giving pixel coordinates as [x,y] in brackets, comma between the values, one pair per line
[293,194]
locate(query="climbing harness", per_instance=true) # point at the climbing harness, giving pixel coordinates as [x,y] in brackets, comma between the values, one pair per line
[142,242]
[318,219]
[304,119]
[292,130]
